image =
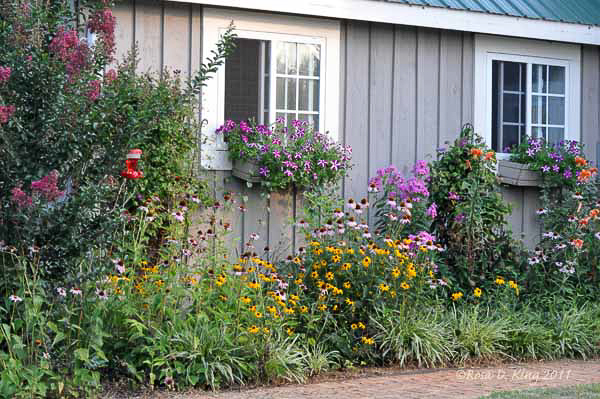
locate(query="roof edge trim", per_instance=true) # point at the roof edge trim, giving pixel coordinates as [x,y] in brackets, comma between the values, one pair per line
[423,16]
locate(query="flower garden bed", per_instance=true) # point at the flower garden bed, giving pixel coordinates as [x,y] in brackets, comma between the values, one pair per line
[103,278]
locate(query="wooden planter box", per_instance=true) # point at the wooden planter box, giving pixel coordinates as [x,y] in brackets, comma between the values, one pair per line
[246,170]
[518,174]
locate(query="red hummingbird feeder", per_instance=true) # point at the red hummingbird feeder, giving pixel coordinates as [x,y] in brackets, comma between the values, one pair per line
[131,163]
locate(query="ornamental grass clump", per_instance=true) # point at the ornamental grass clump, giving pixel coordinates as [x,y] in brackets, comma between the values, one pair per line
[296,155]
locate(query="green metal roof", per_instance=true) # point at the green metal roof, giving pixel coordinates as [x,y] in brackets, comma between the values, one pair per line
[585,12]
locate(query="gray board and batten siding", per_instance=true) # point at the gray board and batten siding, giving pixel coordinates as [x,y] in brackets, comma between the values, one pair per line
[405,92]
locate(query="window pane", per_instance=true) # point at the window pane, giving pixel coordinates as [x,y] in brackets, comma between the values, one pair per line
[556,110]
[280,90]
[292,67]
[510,107]
[555,134]
[539,78]
[242,78]
[538,132]
[538,109]
[510,136]
[309,55]
[511,76]
[557,80]
[308,99]
[291,94]
[281,58]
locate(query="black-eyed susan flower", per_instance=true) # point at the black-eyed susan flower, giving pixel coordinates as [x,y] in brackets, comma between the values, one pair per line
[253,329]
[366,261]
[303,309]
[500,281]
[347,284]
[456,296]
[367,341]
[361,325]
[477,292]
[404,285]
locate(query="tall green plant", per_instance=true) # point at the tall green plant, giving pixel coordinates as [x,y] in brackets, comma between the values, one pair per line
[471,214]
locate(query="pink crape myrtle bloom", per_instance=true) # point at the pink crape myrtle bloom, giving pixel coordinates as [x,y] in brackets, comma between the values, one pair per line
[20,198]
[6,111]
[47,187]
[4,74]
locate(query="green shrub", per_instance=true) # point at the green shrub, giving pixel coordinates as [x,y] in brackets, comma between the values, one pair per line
[471,214]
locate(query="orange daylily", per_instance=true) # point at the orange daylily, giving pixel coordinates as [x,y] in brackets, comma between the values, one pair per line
[578,243]
[580,161]
[489,155]
[584,221]
[476,152]
[585,175]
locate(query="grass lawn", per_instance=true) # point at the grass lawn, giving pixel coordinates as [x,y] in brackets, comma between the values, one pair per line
[591,391]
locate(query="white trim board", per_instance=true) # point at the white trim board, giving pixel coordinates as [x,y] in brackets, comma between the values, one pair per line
[432,17]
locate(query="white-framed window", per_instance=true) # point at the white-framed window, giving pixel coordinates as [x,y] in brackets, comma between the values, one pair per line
[526,88]
[283,67]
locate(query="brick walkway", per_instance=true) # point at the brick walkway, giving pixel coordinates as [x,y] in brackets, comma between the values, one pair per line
[438,384]
[418,384]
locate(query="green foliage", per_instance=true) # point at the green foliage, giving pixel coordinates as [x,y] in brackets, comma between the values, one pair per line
[566,259]
[471,214]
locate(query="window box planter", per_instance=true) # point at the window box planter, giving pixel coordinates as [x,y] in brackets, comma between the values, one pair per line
[246,170]
[518,174]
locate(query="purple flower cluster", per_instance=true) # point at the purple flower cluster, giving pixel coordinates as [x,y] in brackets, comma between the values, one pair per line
[295,154]
[413,188]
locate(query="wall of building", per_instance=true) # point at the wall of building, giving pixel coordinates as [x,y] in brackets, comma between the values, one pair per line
[405,92]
